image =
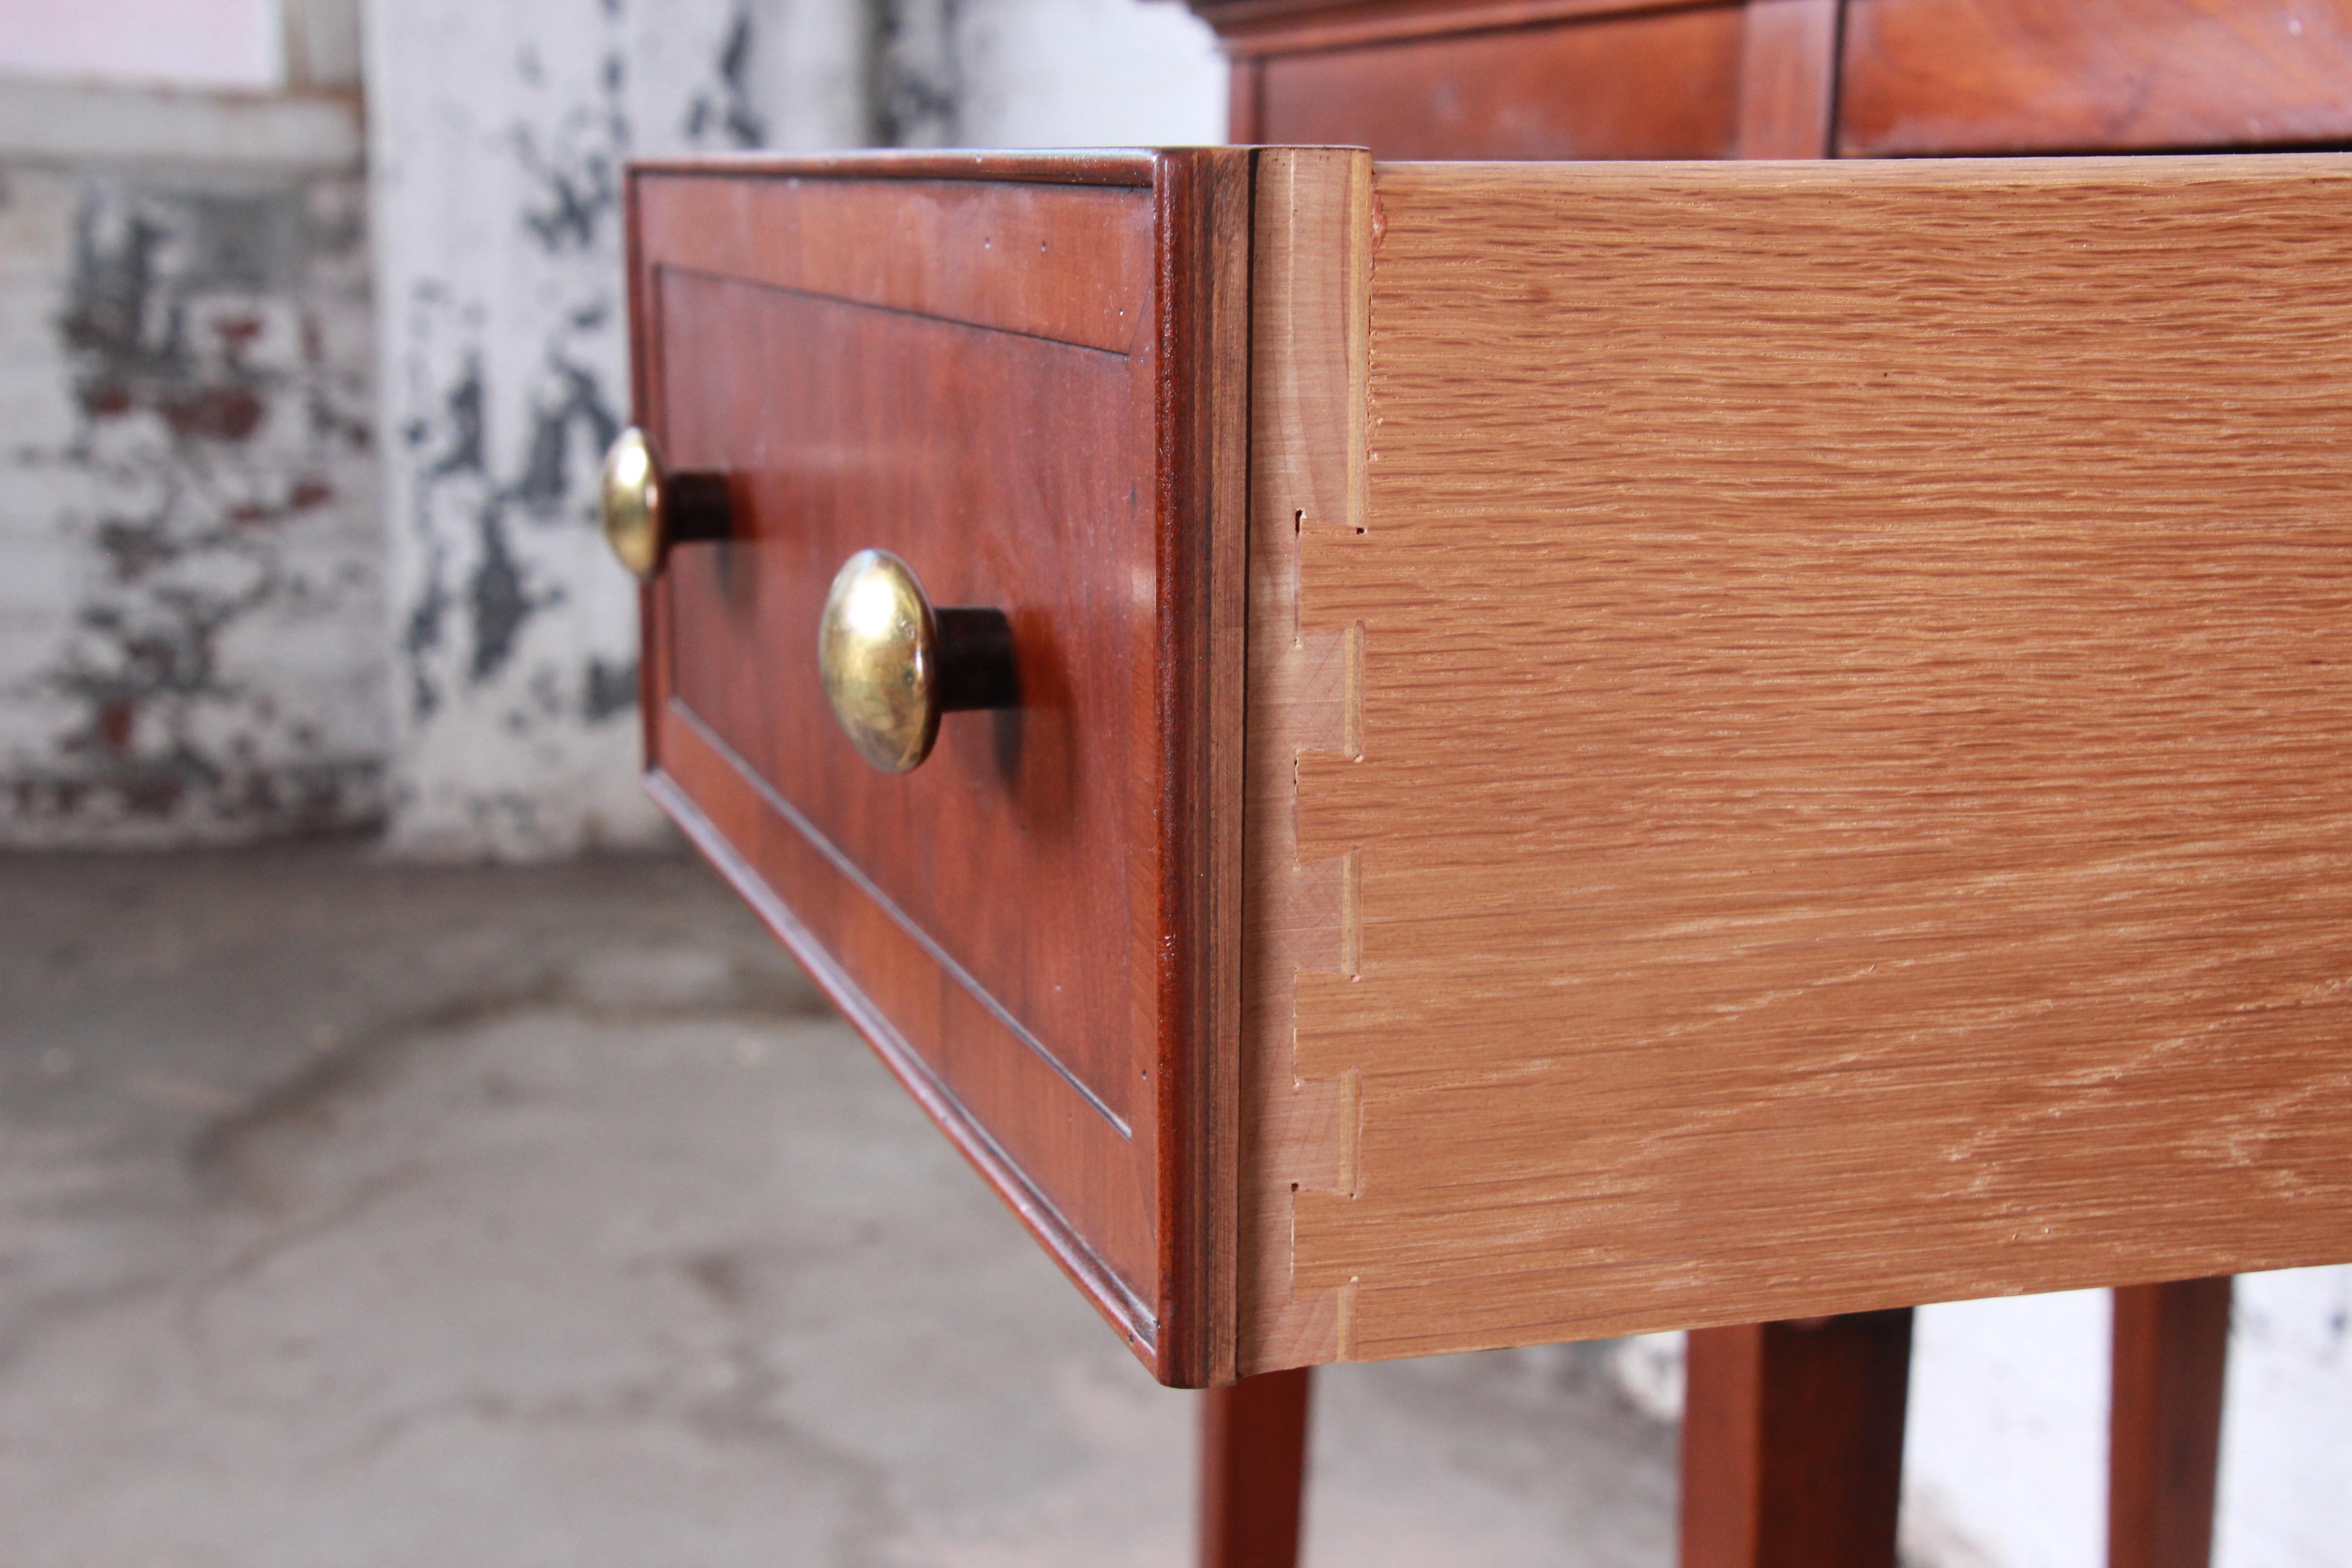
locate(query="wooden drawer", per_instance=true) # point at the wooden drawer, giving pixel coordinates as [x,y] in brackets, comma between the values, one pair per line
[1787,754]
[1660,85]
[2026,76]
[1005,373]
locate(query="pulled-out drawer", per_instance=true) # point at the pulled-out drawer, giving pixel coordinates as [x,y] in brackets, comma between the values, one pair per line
[1566,749]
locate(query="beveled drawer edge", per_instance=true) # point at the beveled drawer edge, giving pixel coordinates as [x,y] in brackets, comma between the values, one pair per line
[1111,1295]
[1205,202]
[842,863]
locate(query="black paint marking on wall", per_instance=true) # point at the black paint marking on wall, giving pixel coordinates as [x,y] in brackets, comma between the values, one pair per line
[576,172]
[729,108]
[463,405]
[919,78]
[611,690]
[427,625]
[546,482]
[498,597]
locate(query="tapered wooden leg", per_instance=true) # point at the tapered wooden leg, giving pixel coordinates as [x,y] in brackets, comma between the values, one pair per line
[1253,1471]
[2164,1423]
[1792,1443]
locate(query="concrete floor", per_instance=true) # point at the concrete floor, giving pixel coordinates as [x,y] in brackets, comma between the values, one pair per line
[367,1214]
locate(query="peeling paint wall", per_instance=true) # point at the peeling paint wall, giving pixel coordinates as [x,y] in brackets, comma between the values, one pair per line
[190,628]
[497,136]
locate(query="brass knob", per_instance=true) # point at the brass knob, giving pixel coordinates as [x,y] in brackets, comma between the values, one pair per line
[646,509]
[893,664]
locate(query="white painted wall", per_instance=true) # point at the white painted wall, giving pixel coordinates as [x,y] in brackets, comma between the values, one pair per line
[2005,1461]
[498,133]
[1088,73]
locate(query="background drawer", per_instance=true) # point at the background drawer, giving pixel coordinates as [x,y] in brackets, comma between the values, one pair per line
[1663,85]
[2015,76]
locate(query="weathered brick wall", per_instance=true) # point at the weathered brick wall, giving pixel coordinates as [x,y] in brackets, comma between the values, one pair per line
[190,643]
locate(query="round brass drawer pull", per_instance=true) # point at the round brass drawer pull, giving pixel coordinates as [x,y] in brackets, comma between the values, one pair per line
[893,664]
[646,509]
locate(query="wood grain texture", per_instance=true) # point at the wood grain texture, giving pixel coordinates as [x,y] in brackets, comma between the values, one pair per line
[2017,76]
[1788,78]
[1792,1443]
[1254,1472]
[1656,85]
[1083,1054]
[1850,808]
[1310,271]
[1249,28]
[2163,1427]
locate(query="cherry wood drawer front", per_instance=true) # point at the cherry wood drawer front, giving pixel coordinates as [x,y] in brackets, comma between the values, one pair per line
[1656,86]
[971,373]
[2013,75]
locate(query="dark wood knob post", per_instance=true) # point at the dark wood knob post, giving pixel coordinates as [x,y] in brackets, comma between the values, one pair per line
[2164,1423]
[1792,1443]
[1254,1471]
